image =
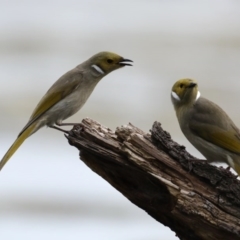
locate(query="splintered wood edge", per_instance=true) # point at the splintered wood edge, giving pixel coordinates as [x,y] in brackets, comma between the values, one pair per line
[129,145]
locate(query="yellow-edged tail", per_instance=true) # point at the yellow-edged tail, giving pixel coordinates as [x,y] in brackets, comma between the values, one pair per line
[18,142]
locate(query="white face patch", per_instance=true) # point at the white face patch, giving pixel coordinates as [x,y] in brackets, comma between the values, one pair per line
[175,96]
[198,95]
[98,69]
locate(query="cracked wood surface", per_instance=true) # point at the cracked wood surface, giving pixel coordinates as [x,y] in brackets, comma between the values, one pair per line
[196,200]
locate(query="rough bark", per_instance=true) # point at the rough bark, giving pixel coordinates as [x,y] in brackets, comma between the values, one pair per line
[195,199]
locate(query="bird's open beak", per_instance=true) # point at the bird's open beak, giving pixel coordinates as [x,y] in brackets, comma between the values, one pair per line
[192,85]
[124,62]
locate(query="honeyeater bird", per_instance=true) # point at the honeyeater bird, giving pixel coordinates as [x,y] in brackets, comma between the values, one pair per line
[67,95]
[207,127]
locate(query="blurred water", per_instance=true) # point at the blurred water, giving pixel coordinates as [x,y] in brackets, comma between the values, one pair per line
[46,192]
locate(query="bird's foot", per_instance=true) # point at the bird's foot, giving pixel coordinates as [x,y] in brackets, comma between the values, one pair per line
[228,168]
[66,124]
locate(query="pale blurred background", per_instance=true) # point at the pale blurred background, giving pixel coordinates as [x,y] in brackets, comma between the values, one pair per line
[46,192]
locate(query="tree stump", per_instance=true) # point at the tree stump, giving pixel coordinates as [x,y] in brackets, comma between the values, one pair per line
[193,198]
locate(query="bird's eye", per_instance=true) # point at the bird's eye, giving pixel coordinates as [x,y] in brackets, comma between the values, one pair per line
[181,85]
[110,61]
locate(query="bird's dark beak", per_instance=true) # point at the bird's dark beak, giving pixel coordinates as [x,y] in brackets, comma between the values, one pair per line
[192,85]
[124,62]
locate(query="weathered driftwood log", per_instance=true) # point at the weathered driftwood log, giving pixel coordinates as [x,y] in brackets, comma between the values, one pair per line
[196,200]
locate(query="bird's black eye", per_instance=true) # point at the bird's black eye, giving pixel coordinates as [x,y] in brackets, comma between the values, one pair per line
[181,85]
[110,61]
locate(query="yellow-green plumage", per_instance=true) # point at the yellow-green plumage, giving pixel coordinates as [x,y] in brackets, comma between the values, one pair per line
[67,95]
[55,94]
[206,125]
[18,142]
[224,139]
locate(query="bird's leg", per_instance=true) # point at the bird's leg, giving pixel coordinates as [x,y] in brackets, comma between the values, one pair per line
[59,123]
[66,124]
[59,129]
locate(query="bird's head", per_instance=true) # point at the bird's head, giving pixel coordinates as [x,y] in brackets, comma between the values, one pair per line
[105,62]
[184,92]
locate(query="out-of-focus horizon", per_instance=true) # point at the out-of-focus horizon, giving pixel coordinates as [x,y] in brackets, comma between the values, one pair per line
[46,192]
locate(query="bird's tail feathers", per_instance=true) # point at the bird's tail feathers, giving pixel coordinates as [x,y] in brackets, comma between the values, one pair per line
[27,132]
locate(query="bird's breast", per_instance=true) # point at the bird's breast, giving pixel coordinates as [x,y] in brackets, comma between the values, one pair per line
[68,106]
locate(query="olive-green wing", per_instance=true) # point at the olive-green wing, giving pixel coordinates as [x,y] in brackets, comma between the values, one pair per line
[59,90]
[53,97]
[229,140]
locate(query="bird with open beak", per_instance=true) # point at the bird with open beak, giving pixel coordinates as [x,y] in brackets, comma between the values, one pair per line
[67,96]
